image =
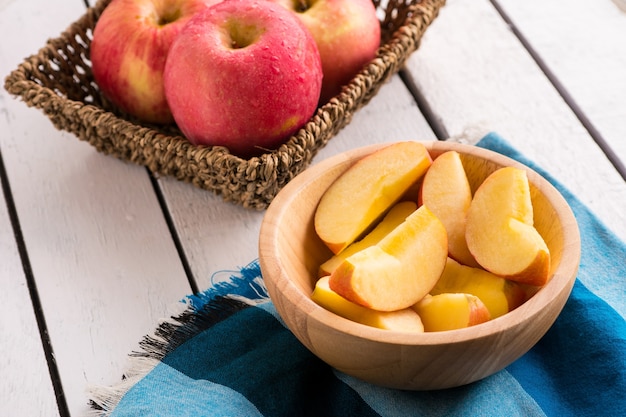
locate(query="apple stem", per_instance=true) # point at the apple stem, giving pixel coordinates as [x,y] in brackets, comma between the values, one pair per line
[302,6]
[168,17]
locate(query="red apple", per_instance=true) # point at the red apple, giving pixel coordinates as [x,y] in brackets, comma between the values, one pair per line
[129,48]
[347,33]
[245,74]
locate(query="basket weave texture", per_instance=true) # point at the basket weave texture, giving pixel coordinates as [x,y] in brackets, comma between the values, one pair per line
[58,81]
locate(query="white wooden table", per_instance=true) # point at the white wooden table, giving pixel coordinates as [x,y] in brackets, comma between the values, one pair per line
[94,252]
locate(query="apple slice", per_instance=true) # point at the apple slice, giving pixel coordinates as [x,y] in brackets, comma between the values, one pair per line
[393,218]
[500,232]
[366,190]
[398,271]
[450,311]
[498,294]
[406,320]
[447,193]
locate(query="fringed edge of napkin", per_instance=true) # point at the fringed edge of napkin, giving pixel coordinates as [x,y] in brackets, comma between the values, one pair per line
[195,313]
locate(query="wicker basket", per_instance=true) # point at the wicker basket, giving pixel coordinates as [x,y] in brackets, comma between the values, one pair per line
[58,81]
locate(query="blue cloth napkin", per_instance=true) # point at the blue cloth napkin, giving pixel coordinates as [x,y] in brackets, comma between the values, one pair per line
[228,354]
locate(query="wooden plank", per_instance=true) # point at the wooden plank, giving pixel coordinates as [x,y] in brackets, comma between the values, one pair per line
[476,76]
[592,67]
[101,253]
[218,237]
[29,392]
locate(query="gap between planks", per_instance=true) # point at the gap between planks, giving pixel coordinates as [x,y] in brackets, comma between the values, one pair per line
[53,370]
[173,232]
[565,95]
[433,120]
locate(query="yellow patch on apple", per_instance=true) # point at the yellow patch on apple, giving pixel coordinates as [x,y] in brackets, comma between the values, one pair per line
[139,71]
[406,320]
[364,192]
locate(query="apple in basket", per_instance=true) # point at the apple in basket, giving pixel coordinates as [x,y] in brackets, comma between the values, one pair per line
[244,74]
[347,33]
[130,43]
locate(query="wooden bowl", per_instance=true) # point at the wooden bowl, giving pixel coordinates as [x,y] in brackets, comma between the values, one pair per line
[290,253]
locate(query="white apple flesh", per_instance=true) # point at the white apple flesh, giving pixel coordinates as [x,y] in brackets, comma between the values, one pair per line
[243,74]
